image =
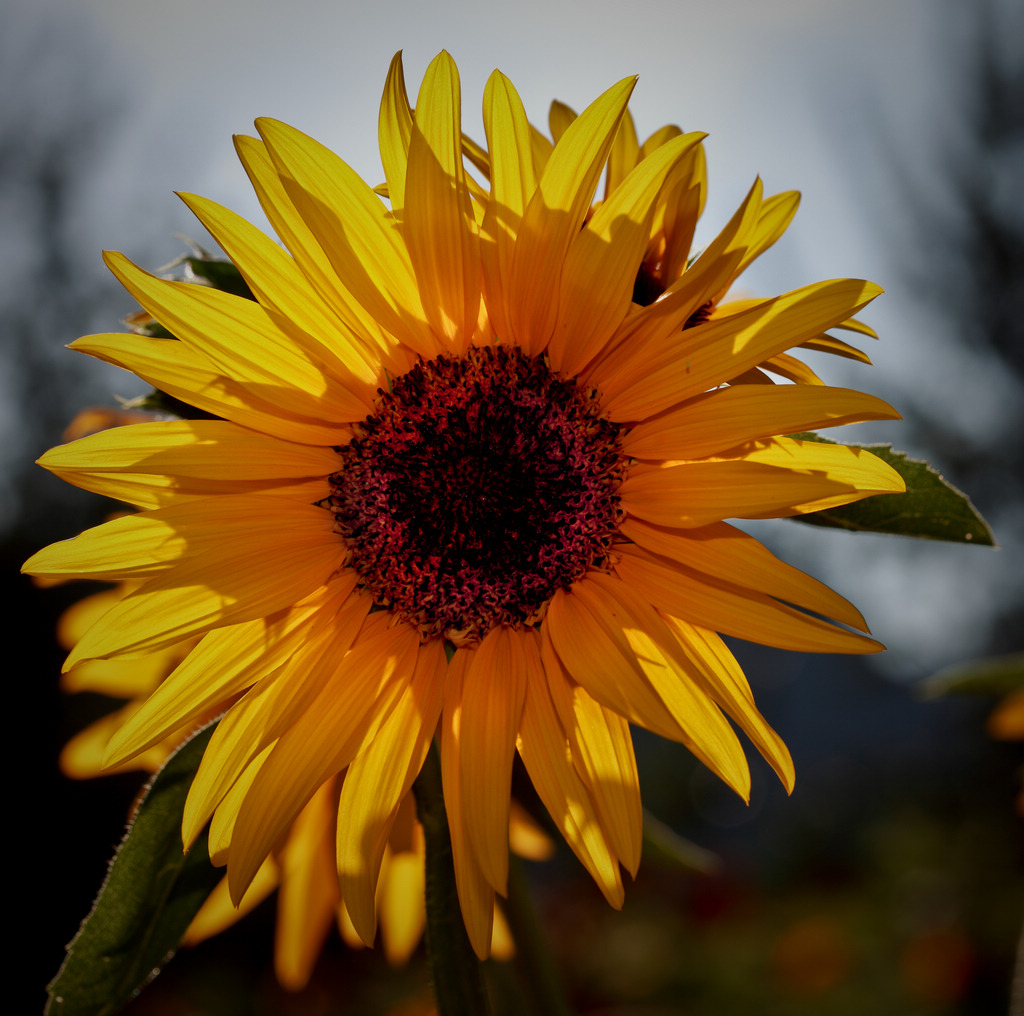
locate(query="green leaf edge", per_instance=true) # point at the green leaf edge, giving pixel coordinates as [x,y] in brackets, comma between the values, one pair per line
[851,517]
[73,990]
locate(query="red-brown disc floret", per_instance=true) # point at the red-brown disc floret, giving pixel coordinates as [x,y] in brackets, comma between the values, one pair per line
[481,485]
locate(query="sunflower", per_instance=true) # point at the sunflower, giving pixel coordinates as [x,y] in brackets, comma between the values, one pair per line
[461,485]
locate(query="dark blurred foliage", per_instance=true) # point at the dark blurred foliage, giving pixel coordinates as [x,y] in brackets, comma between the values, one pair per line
[57,114]
[890,882]
[963,253]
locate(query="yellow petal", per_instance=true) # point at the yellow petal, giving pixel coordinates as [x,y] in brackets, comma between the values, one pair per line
[492,702]
[766,479]
[513,181]
[596,654]
[727,553]
[394,132]
[544,750]
[773,220]
[84,613]
[377,781]
[644,333]
[602,752]
[555,214]
[792,369]
[624,154]
[476,896]
[304,245]
[525,837]
[267,710]
[184,374]
[541,149]
[402,913]
[124,679]
[715,604]
[850,466]
[308,897]
[357,233]
[830,344]
[672,676]
[726,417]
[240,338]
[716,670]
[224,663]
[599,272]
[352,705]
[132,546]
[680,206]
[709,354]
[267,560]
[222,827]
[292,301]
[152,464]
[218,913]
[439,226]
[658,138]
[82,756]
[560,116]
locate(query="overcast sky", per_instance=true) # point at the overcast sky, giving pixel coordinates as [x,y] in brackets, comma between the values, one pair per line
[800,91]
[835,98]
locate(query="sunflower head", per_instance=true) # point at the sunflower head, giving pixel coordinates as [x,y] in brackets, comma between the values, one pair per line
[469,456]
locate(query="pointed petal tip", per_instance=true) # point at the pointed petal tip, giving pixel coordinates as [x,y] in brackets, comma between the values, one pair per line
[482,949]
[364,924]
[72,661]
[616,897]
[269,127]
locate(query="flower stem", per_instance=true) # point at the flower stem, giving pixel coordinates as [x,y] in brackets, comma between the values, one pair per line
[457,973]
[533,955]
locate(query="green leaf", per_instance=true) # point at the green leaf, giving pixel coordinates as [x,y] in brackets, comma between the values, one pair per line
[993,675]
[664,845]
[151,893]
[931,509]
[220,274]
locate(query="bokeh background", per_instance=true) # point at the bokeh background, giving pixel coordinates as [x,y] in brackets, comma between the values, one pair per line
[891,881]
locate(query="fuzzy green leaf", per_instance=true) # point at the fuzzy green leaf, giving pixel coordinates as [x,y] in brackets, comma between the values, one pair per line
[931,509]
[151,893]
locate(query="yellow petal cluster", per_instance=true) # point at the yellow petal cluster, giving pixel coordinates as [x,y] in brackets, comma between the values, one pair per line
[235,543]
[302,866]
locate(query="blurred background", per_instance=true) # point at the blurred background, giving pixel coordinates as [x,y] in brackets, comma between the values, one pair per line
[892,880]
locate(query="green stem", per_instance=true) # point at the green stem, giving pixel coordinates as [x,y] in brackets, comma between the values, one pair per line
[537,970]
[457,973]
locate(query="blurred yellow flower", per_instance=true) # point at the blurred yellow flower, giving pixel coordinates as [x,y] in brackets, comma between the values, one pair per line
[1006,723]
[461,482]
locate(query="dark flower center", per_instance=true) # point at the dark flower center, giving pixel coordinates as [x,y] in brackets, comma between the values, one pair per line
[482,484]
